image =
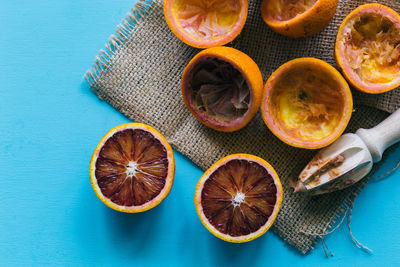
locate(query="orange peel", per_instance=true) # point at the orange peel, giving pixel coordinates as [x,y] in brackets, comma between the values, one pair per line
[222,88]
[297,18]
[306,103]
[367,48]
[206,23]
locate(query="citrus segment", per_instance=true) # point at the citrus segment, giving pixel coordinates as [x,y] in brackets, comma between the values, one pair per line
[298,18]
[306,103]
[222,87]
[132,168]
[238,198]
[206,23]
[368,48]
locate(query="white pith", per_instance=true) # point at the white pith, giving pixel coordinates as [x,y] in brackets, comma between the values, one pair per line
[238,199]
[131,169]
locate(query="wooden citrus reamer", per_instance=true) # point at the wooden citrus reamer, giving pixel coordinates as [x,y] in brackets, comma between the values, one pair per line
[349,158]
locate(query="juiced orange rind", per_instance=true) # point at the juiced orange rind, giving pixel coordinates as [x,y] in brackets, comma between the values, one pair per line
[222,88]
[306,103]
[367,48]
[206,23]
[298,18]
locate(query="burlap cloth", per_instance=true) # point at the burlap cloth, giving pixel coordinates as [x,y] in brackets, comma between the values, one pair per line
[139,73]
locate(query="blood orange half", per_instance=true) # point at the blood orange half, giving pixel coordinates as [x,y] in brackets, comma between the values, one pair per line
[132,168]
[206,23]
[238,198]
[367,48]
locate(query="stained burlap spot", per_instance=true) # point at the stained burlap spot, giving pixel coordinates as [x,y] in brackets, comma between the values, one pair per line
[139,73]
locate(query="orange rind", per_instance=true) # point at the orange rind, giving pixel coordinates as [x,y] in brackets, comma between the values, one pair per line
[206,23]
[298,18]
[222,88]
[306,103]
[367,48]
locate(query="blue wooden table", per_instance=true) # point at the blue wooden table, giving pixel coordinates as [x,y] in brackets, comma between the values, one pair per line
[50,123]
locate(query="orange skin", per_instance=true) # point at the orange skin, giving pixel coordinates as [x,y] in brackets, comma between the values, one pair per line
[274,127]
[241,62]
[169,180]
[340,58]
[308,23]
[203,218]
[179,32]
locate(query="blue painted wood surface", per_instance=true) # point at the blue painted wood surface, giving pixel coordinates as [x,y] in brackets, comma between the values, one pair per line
[50,123]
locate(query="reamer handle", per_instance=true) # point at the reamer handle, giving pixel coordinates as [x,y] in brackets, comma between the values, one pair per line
[381,136]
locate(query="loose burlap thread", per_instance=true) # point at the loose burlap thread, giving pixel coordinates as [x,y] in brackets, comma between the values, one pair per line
[139,74]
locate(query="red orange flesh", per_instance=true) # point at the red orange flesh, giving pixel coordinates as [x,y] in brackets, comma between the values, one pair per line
[132,168]
[238,198]
[298,18]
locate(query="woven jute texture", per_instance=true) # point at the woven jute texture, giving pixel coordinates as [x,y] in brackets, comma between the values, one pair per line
[139,73]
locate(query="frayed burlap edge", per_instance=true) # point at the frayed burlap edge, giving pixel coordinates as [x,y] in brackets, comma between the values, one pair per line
[103,61]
